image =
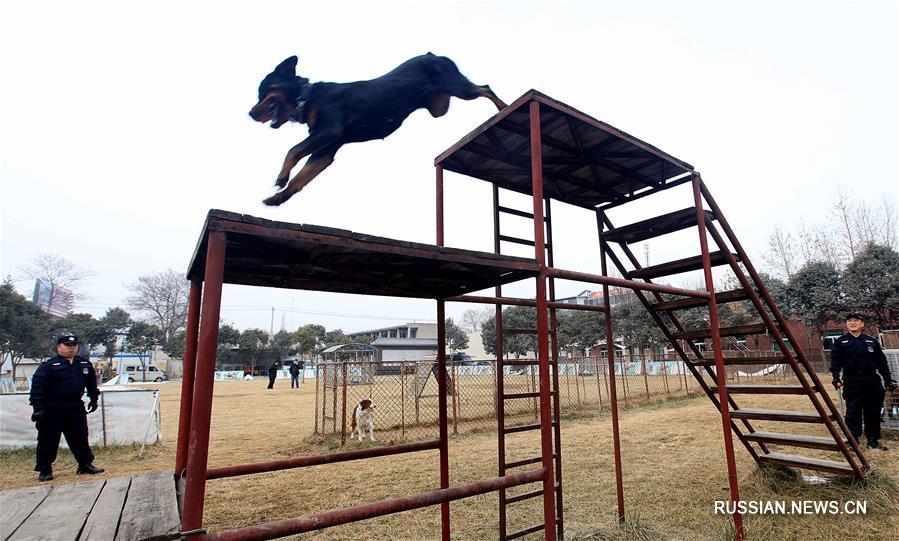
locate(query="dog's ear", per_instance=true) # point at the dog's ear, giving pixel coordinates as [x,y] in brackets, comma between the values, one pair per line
[287,68]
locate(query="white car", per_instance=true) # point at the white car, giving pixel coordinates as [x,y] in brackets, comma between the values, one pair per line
[136,374]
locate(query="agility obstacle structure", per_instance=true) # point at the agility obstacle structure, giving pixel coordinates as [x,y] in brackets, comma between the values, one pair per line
[545,149]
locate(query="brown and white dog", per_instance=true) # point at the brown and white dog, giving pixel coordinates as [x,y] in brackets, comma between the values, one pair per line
[364,419]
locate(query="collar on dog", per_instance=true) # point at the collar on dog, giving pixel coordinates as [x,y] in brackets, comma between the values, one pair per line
[299,112]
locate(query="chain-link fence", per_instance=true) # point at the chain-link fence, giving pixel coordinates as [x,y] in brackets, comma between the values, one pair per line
[406,398]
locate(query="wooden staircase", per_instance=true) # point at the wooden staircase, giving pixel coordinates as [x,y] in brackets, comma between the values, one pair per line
[834,435]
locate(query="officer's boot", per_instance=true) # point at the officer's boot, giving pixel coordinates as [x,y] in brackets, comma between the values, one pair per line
[46,475]
[89,469]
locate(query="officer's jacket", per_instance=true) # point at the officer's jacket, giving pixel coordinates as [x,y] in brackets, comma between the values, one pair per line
[858,357]
[56,382]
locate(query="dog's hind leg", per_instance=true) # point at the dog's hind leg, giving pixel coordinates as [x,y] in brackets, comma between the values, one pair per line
[317,162]
[473,91]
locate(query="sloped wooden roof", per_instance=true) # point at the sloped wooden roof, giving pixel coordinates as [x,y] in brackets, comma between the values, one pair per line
[301,256]
[586,162]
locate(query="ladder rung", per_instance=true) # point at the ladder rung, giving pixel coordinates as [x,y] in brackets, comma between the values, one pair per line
[655,227]
[751,388]
[521,362]
[526,495]
[796,440]
[765,360]
[524,428]
[679,266]
[525,531]
[808,463]
[512,396]
[516,212]
[525,462]
[777,415]
[739,330]
[720,298]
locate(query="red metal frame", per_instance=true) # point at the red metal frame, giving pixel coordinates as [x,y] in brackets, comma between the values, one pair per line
[187,381]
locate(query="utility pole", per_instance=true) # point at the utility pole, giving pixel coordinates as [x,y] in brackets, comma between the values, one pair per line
[271,327]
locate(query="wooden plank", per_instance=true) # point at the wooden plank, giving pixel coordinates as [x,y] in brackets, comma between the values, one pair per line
[808,463]
[722,297]
[739,330]
[62,513]
[754,388]
[655,227]
[151,509]
[17,505]
[777,415]
[677,267]
[796,440]
[103,521]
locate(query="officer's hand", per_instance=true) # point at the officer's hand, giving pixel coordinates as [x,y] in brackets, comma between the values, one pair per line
[36,416]
[92,406]
[837,384]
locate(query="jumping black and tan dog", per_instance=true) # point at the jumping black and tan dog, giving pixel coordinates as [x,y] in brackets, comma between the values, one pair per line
[341,113]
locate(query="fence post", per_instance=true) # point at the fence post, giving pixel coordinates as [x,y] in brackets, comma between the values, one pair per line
[624,385]
[455,388]
[645,376]
[343,414]
[533,389]
[665,377]
[598,381]
[417,387]
[316,399]
[402,400]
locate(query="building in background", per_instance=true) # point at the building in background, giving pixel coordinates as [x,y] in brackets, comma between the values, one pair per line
[407,331]
[61,303]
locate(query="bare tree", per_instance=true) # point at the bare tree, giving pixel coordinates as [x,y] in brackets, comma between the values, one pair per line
[781,254]
[473,320]
[63,277]
[162,299]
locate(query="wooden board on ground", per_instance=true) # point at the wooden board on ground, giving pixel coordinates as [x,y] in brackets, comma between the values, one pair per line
[62,513]
[17,505]
[103,522]
[154,491]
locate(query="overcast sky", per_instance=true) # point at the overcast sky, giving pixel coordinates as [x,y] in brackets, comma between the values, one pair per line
[123,123]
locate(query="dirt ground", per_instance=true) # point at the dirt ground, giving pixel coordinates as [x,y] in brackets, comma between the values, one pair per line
[673,458]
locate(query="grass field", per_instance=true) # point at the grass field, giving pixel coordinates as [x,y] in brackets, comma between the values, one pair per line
[674,471]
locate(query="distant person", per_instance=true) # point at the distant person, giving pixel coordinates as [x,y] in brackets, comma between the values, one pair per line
[295,375]
[273,373]
[56,390]
[859,358]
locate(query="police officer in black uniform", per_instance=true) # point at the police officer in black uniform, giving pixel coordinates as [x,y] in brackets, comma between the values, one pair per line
[56,390]
[273,373]
[860,357]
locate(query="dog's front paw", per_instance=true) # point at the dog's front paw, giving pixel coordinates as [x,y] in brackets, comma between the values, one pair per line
[275,200]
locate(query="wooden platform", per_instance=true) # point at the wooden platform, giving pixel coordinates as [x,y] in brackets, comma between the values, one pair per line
[139,508]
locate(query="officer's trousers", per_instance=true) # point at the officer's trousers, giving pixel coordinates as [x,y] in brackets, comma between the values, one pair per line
[864,399]
[69,420]
[295,381]
[271,381]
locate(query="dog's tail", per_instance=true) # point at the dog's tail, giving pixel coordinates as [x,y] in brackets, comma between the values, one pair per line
[354,420]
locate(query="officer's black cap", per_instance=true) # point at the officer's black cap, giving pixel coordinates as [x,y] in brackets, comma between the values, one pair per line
[67,339]
[855,315]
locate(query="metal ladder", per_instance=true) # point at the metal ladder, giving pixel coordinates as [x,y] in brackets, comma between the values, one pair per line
[729,252]
[502,396]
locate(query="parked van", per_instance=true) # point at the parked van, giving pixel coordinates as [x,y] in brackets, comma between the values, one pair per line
[136,374]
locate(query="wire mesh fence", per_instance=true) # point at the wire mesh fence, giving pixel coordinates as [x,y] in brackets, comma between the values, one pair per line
[406,398]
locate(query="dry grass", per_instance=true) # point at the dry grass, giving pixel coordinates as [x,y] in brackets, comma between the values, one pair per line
[673,473]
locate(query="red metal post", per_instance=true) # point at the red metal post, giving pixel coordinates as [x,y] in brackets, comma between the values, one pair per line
[439,205]
[442,421]
[188,369]
[613,391]
[500,376]
[198,452]
[546,429]
[720,374]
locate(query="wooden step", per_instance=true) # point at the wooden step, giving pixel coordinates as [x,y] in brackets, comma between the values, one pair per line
[777,415]
[723,297]
[739,330]
[655,227]
[758,359]
[752,388]
[808,463]
[527,495]
[677,267]
[796,440]
[520,362]
[511,396]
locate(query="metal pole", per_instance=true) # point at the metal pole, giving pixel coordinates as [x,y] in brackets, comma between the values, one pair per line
[613,392]
[188,374]
[442,421]
[439,190]
[719,360]
[343,409]
[201,409]
[546,432]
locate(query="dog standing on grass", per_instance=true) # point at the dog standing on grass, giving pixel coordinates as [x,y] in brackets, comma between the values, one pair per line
[364,418]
